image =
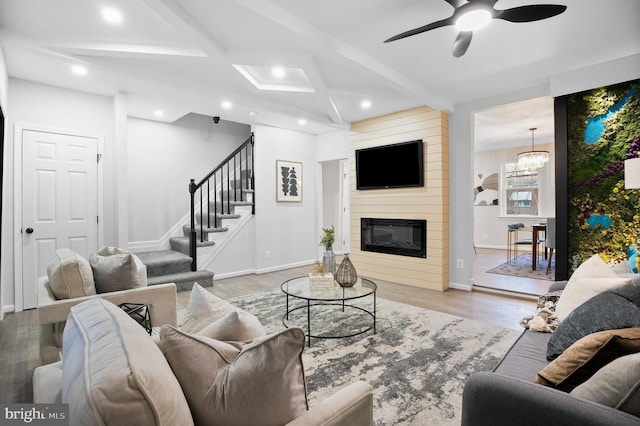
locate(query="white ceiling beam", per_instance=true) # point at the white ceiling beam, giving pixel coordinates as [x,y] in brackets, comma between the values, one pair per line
[321,90]
[325,42]
[175,15]
[124,50]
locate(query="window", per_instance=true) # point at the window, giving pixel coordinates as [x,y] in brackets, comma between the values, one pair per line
[520,193]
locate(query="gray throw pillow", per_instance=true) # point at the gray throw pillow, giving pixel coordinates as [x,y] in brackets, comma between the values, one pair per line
[117,269]
[613,309]
[616,385]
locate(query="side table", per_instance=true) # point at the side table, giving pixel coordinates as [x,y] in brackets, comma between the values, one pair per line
[141,314]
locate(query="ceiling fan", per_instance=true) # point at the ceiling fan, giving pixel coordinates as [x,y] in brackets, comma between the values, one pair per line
[473,14]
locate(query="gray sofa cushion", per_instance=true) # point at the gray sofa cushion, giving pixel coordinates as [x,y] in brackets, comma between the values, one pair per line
[613,309]
[526,357]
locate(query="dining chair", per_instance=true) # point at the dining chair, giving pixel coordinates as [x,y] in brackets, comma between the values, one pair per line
[550,242]
[513,240]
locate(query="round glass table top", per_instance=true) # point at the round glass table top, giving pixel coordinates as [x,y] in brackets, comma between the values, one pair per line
[302,288]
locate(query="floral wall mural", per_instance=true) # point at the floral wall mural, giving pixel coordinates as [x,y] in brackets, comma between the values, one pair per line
[603,131]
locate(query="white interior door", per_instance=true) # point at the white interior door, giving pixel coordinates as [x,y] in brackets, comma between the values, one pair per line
[59,201]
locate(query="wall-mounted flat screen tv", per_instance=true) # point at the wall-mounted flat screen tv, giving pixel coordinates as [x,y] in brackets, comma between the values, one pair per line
[399,165]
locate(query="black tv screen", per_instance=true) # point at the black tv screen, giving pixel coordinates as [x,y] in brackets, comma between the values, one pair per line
[390,166]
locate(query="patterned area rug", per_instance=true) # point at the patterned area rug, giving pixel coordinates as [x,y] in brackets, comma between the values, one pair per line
[417,362]
[521,267]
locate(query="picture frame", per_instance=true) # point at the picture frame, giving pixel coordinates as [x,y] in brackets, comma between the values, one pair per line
[289,181]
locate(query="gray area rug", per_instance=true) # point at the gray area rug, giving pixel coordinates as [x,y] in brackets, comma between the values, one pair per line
[521,267]
[417,362]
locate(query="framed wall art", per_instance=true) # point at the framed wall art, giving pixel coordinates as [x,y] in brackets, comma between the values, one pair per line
[288,181]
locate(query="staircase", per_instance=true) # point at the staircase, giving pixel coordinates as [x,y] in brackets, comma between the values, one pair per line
[215,200]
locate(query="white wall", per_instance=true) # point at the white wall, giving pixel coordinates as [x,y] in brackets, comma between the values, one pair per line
[462,152]
[489,225]
[289,231]
[162,157]
[59,109]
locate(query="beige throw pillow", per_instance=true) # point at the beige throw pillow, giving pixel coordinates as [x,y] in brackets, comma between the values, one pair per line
[117,269]
[237,326]
[232,383]
[586,356]
[70,275]
[590,279]
[203,309]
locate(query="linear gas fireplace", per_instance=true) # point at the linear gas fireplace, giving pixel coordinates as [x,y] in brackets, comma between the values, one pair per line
[404,237]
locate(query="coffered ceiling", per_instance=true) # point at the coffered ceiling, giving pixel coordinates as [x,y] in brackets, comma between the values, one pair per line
[187,56]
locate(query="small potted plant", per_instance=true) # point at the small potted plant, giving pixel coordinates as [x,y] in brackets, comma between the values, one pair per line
[327,240]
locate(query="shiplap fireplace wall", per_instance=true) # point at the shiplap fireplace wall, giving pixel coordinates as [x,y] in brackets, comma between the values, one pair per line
[430,202]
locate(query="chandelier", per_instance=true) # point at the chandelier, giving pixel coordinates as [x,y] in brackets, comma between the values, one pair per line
[532,160]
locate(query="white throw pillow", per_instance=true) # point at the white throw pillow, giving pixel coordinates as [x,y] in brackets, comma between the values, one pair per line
[590,279]
[70,275]
[203,309]
[237,326]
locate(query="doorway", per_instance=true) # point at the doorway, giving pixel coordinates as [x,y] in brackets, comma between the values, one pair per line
[58,200]
[335,202]
[500,134]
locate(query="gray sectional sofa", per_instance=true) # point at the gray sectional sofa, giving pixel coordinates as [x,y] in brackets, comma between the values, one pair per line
[508,395]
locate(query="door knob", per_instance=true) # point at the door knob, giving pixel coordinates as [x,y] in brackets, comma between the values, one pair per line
[29,230]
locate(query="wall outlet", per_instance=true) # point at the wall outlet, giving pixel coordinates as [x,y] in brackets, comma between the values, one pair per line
[460,264]
[267,254]
[485,237]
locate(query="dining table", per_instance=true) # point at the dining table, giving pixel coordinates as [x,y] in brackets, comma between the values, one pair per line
[537,230]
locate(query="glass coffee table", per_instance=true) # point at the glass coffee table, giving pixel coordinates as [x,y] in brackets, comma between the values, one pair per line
[327,305]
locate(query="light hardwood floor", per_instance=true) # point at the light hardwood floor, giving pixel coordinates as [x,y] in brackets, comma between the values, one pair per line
[19,344]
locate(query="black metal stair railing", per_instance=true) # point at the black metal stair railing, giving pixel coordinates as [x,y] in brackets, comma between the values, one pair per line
[239,162]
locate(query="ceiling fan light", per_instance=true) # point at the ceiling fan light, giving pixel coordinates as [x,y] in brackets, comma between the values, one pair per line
[473,20]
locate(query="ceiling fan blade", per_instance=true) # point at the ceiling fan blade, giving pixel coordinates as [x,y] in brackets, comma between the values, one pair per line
[455,3]
[462,42]
[530,13]
[431,26]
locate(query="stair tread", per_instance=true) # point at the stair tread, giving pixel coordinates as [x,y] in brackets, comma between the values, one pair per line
[187,228]
[181,276]
[184,281]
[160,256]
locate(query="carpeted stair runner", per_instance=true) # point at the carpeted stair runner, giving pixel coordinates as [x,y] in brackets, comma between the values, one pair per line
[170,266]
[174,266]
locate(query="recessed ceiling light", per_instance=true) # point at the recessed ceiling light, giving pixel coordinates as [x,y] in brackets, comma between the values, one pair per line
[278,72]
[79,69]
[302,121]
[365,104]
[252,114]
[111,15]
[158,113]
[226,104]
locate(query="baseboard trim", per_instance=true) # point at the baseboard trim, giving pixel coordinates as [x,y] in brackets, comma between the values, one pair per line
[263,270]
[8,309]
[506,293]
[458,286]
